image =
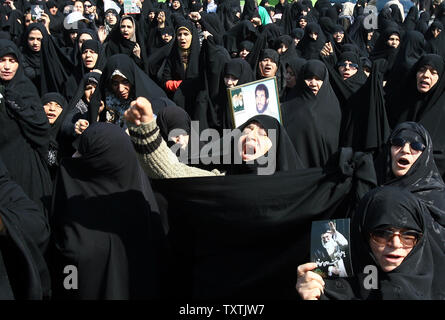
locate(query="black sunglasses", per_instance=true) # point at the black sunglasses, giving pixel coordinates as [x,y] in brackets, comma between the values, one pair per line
[351,65]
[415,145]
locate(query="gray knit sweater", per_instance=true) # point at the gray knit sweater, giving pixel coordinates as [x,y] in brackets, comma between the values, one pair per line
[157,160]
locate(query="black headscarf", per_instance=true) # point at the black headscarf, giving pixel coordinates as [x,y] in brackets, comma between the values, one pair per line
[106,221]
[95,46]
[55,145]
[170,118]
[313,121]
[418,276]
[310,48]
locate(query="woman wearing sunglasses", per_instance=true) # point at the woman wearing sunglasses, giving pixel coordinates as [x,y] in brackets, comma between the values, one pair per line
[388,235]
[407,161]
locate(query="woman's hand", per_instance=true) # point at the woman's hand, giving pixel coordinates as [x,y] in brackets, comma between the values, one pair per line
[137,50]
[46,20]
[310,285]
[140,111]
[81,126]
[102,33]
[327,49]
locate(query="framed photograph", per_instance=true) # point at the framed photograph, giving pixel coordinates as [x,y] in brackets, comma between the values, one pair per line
[253,98]
[130,7]
[330,248]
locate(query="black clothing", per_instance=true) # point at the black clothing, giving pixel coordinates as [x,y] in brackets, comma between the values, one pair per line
[24,273]
[313,121]
[106,221]
[24,136]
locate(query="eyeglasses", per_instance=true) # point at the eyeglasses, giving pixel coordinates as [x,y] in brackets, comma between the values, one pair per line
[88,5]
[400,142]
[352,66]
[408,238]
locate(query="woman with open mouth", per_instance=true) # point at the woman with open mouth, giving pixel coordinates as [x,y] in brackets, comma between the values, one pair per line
[93,56]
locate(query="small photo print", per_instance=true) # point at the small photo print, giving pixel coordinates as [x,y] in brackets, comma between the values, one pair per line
[254,98]
[130,7]
[330,248]
[237,100]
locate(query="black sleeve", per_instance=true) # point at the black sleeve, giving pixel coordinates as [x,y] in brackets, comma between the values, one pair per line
[25,108]
[24,243]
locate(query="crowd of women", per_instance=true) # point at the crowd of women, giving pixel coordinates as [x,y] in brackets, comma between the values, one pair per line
[99,107]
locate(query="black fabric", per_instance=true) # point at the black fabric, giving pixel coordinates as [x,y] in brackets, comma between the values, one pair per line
[411,19]
[243,235]
[313,121]
[105,221]
[411,49]
[24,137]
[24,274]
[418,277]
[365,123]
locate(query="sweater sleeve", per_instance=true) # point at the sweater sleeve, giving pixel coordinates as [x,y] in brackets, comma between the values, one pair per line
[157,160]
